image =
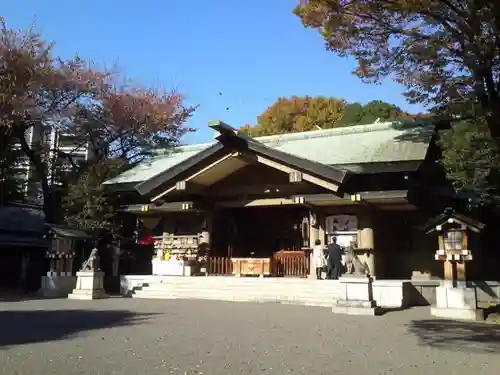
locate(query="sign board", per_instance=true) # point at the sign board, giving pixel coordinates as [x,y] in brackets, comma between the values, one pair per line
[341,223]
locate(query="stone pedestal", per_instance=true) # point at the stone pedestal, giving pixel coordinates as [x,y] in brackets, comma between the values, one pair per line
[56,286]
[89,285]
[356,297]
[456,303]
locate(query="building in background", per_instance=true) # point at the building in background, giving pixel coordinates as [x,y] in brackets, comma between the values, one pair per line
[55,144]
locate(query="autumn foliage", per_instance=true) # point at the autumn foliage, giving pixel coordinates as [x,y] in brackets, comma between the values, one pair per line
[298,114]
[39,90]
[445,52]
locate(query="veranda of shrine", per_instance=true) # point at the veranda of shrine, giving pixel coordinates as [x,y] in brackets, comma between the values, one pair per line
[261,203]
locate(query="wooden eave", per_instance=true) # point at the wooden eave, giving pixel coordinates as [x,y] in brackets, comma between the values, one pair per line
[388,197]
[152,209]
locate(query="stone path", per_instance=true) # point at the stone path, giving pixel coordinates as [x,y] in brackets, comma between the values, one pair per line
[132,336]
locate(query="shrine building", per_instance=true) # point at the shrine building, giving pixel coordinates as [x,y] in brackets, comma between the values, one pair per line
[259,204]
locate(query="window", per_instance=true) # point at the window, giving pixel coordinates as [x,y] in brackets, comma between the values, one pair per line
[453,240]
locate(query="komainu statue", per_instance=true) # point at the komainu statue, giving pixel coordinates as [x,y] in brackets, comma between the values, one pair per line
[353,261]
[92,263]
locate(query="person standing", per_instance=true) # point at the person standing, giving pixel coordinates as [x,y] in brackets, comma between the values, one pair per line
[334,260]
[318,257]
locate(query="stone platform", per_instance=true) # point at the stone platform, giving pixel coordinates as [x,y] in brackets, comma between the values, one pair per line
[89,285]
[284,290]
[456,303]
[356,297]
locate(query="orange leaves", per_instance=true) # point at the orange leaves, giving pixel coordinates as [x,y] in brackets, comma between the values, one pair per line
[297,114]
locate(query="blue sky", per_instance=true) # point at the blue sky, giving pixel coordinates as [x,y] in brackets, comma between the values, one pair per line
[251,51]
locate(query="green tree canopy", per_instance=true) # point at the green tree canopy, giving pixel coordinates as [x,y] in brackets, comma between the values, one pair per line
[297,114]
[447,55]
[472,160]
[445,52]
[86,204]
[357,114]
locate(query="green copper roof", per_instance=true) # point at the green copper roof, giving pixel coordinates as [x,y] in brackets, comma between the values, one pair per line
[347,147]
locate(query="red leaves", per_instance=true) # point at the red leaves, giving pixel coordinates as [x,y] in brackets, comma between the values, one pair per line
[145,110]
[36,87]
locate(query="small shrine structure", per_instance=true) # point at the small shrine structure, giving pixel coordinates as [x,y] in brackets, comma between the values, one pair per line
[454,298]
[60,278]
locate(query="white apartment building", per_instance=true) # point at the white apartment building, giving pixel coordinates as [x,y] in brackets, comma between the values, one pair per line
[53,141]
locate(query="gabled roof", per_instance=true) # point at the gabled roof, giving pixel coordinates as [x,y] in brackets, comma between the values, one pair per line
[64,231]
[233,140]
[450,214]
[347,148]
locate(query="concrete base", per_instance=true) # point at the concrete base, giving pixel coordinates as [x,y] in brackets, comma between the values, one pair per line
[55,286]
[456,303]
[458,314]
[353,307]
[89,285]
[391,293]
[356,297]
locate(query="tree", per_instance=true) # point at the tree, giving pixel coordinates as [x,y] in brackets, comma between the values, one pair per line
[39,90]
[445,52]
[86,204]
[357,114]
[42,92]
[472,160]
[447,55]
[297,114]
[131,122]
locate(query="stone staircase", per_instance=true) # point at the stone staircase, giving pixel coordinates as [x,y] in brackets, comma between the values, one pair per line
[226,288]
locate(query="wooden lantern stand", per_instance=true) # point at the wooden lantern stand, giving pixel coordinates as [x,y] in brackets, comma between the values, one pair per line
[454,298]
[454,259]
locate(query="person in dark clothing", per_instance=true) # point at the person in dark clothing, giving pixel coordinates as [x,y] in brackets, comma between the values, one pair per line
[334,260]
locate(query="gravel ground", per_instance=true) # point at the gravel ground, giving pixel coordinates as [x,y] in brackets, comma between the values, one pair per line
[137,336]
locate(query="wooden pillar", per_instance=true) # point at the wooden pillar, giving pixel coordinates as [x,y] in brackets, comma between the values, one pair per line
[461,274]
[460,265]
[69,265]
[313,236]
[313,228]
[366,238]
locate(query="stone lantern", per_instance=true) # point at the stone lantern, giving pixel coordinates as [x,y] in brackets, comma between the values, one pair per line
[454,298]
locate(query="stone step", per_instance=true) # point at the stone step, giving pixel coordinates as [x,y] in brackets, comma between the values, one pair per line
[250,294]
[242,293]
[222,286]
[327,302]
[223,280]
[309,288]
[271,292]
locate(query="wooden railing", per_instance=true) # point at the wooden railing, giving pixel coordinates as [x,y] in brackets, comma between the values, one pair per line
[291,263]
[285,263]
[220,266]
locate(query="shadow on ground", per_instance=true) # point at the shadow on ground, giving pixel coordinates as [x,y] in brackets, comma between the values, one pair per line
[448,334]
[23,327]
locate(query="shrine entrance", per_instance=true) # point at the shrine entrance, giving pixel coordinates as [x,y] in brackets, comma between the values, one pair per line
[257,231]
